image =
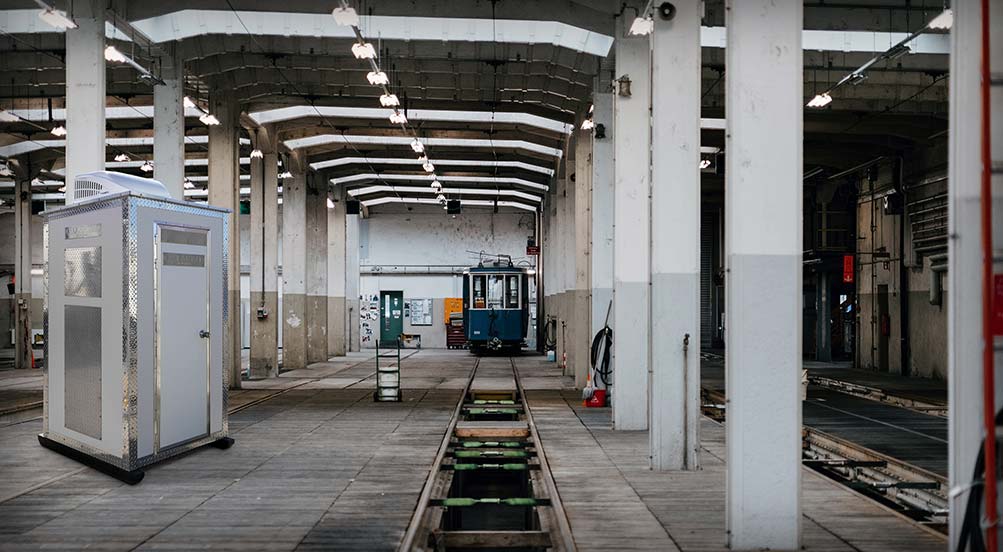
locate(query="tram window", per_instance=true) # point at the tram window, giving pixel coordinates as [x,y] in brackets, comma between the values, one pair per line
[512,292]
[478,292]
[496,291]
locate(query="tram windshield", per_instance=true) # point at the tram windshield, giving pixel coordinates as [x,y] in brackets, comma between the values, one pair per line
[512,292]
[496,291]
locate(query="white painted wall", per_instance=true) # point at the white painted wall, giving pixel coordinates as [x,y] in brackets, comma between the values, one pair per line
[429,239]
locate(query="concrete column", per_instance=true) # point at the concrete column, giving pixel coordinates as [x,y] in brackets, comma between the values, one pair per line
[224,191]
[823,323]
[264,357]
[964,286]
[580,297]
[22,270]
[602,210]
[169,125]
[316,269]
[763,218]
[352,280]
[294,264]
[85,92]
[337,311]
[675,239]
[631,217]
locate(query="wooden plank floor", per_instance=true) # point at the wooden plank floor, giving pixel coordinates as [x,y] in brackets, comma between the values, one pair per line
[319,468]
[615,501]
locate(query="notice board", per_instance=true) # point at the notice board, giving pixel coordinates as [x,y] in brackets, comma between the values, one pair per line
[421,312]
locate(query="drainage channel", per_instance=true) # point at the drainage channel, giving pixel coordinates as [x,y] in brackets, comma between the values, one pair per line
[491,487]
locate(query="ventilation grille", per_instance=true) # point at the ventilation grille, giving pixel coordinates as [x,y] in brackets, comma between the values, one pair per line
[84,189]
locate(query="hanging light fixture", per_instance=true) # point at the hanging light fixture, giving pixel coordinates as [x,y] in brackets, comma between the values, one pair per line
[364,50]
[59,131]
[189,103]
[111,53]
[641,26]
[417,146]
[146,167]
[346,16]
[330,203]
[428,166]
[122,157]
[256,154]
[704,163]
[820,100]
[189,185]
[436,185]
[389,100]
[588,124]
[398,118]
[285,174]
[377,78]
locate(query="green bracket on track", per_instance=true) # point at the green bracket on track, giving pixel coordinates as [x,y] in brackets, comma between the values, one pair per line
[476,467]
[490,453]
[463,502]
[492,444]
[475,411]
[496,401]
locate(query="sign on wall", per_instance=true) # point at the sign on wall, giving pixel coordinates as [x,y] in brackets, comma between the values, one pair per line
[421,312]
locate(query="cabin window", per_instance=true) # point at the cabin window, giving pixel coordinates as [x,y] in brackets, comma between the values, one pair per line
[512,292]
[496,291]
[478,295]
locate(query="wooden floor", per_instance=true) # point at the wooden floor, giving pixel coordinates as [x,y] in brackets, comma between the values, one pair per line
[610,494]
[320,466]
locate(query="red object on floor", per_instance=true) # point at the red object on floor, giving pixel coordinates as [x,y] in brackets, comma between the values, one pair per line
[598,399]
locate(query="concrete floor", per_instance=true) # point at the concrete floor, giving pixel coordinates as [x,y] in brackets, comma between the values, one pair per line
[320,465]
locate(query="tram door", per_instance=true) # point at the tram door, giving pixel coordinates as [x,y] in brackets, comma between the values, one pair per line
[391,316]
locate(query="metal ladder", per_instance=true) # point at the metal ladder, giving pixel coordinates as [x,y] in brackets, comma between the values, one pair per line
[388,378]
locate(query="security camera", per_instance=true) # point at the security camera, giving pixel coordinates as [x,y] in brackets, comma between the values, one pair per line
[666,11]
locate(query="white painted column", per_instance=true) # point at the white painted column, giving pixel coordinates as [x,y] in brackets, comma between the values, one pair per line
[169,125]
[763,217]
[964,287]
[316,269]
[224,191]
[337,311]
[602,214]
[264,280]
[675,239]
[632,217]
[352,280]
[294,264]
[580,300]
[85,92]
[22,269]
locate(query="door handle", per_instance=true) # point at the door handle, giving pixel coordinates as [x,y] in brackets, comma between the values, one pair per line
[204,334]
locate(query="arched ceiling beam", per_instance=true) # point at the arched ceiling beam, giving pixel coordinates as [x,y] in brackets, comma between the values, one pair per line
[479,163]
[494,180]
[432,143]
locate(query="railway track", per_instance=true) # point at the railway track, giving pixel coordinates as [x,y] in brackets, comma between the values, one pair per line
[913,492]
[490,487]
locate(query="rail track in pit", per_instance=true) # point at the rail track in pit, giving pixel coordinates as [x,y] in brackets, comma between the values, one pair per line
[914,492]
[490,486]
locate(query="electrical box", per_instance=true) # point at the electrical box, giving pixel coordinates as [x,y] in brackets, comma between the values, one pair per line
[135,322]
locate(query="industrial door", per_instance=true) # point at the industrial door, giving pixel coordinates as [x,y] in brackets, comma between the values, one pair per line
[182,303]
[391,316]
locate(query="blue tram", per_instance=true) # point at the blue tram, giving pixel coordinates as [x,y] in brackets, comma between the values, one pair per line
[495,306]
